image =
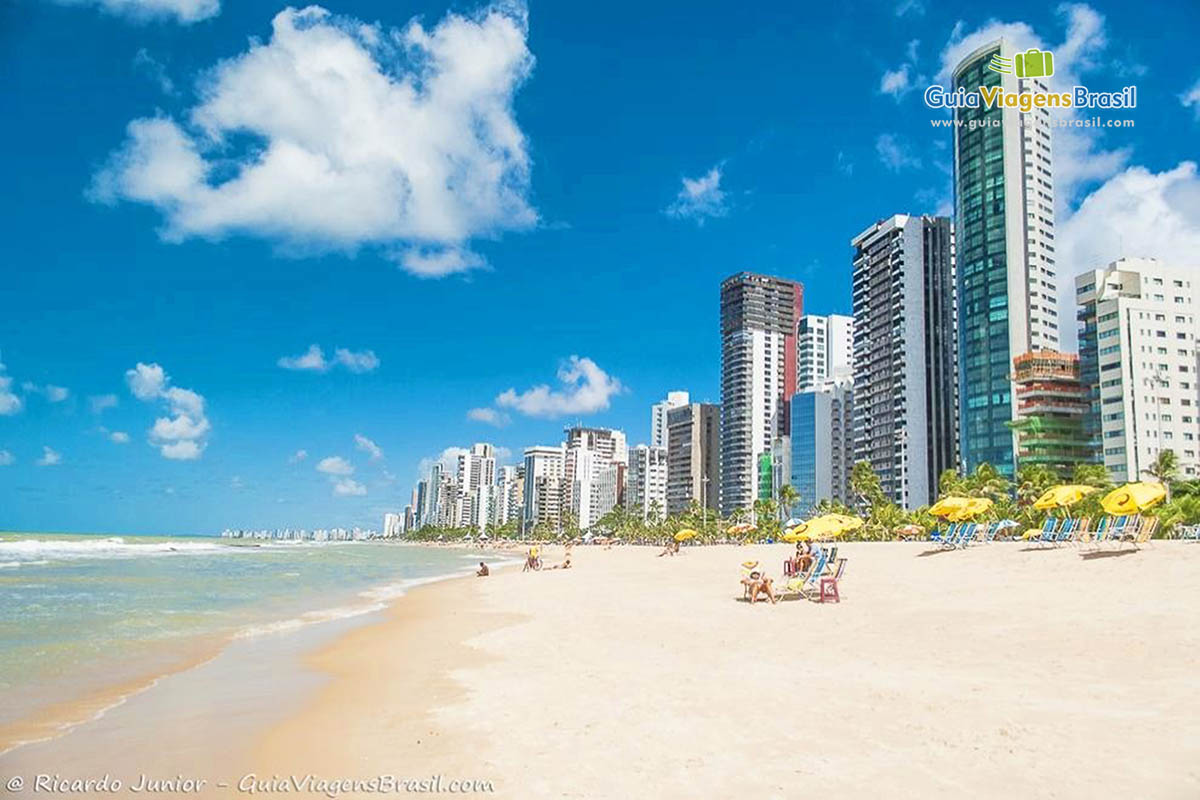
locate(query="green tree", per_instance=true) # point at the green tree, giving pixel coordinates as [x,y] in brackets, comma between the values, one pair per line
[788,497]
[866,486]
[1165,468]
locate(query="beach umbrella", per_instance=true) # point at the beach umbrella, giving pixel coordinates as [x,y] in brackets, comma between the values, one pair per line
[1133,497]
[1062,496]
[740,529]
[909,530]
[949,505]
[828,526]
[1005,524]
[971,509]
[685,534]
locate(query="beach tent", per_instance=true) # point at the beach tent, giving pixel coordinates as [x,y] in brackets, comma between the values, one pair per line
[1133,497]
[1062,496]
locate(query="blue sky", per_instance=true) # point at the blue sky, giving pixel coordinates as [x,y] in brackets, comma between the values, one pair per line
[194,192]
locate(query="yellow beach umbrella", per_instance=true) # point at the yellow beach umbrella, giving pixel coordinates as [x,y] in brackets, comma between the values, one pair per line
[826,527]
[1062,496]
[1133,497]
[949,505]
[740,529]
[973,507]
[685,534]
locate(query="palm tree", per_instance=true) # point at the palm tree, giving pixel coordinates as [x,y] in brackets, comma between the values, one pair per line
[788,497]
[1165,468]
[1091,475]
[1032,482]
[865,484]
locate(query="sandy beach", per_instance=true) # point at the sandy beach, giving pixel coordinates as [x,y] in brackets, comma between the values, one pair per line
[1000,671]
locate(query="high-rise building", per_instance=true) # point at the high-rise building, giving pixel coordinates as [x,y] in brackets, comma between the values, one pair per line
[1004,224]
[693,456]
[646,488]
[658,417]
[822,452]
[1138,359]
[543,487]
[905,396]
[591,454]
[758,377]
[1052,407]
[422,504]
[476,473]
[825,350]
[392,524]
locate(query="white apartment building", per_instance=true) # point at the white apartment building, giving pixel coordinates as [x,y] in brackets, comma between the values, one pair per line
[1137,353]
[589,455]
[646,483]
[658,417]
[476,474]
[824,350]
[543,486]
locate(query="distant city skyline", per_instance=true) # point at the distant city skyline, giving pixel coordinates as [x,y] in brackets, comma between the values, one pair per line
[218,313]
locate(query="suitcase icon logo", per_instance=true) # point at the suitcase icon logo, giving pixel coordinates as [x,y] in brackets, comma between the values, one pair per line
[1033,63]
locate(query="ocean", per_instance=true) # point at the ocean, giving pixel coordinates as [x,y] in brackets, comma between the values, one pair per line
[79,613]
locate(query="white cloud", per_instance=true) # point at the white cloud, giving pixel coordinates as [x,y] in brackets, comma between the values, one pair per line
[448,458]
[490,416]
[102,402]
[700,198]
[6,458]
[914,7]
[180,436]
[335,465]
[155,70]
[184,12]
[313,360]
[368,446]
[298,456]
[10,403]
[120,437]
[348,487]
[52,393]
[844,164]
[896,82]
[438,262]
[360,135]
[146,381]
[1191,98]
[895,154]
[361,361]
[50,457]
[585,389]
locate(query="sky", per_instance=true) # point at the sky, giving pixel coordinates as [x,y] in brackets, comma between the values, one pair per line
[262,264]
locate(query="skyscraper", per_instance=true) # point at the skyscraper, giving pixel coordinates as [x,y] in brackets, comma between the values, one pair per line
[693,456]
[1004,218]
[758,377]
[593,469]
[1138,359]
[476,473]
[825,350]
[904,355]
[646,491]
[658,417]
[543,487]
[822,445]
[1052,407]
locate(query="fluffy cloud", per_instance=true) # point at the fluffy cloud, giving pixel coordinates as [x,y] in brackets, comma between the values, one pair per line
[56,394]
[700,198]
[585,389]
[490,416]
[313,360]
[360,135]
[181,435]
[50,457]
[184,12]
[119,437]
[438,262]
[6,458]
[348,487]
[102,402]
[10,403]
[1191,98]
[335,465]
[895,153]
[367,446]
[154,69]
[900,81]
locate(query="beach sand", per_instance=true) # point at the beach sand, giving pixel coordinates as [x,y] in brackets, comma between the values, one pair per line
[1001,671]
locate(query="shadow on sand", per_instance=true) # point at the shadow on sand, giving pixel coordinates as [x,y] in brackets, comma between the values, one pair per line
[1094,554]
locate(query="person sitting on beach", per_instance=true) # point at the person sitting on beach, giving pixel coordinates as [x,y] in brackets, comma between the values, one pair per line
[566,564]
[756,582]
[671,549]
[803,558]
[482,572]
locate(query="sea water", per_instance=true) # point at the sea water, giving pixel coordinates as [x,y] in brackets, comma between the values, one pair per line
[81,612]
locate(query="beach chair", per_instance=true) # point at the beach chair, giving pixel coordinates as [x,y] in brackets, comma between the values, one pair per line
[1142,533]
[967,536]
[951,537]
[989,533]
[827,587]
[799,584]
[1064,532]
[1080,531]
[1189,532]
[1121,526]
[1038,534]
